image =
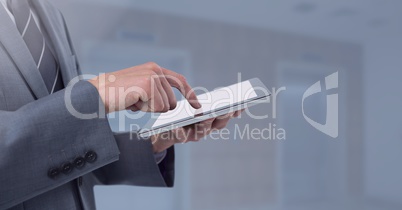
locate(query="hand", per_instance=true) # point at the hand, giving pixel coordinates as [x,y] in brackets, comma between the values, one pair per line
[147,87]
[191,133]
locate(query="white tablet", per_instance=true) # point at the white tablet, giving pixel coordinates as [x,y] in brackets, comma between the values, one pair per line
[215,103]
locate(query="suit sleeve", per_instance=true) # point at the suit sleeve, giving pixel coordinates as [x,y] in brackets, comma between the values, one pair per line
[43,146]
[137,165]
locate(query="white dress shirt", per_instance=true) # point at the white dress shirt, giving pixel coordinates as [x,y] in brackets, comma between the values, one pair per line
[159,156]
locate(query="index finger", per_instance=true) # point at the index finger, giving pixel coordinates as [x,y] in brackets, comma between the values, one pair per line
[178,81]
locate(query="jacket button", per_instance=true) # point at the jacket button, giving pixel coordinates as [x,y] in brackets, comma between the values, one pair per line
[91,156]
[66,168]
[53,173]
[79,162]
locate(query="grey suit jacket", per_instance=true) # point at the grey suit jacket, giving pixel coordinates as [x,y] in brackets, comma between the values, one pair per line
[50,159]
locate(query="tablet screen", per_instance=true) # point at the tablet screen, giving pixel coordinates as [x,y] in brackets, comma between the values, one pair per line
[211,101]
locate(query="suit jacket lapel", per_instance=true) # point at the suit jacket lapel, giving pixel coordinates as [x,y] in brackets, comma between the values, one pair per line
[53,24]
[12,41]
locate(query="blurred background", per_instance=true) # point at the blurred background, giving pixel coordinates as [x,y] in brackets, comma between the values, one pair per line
[288,44]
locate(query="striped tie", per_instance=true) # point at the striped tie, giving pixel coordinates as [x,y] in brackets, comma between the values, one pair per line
[36,43]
